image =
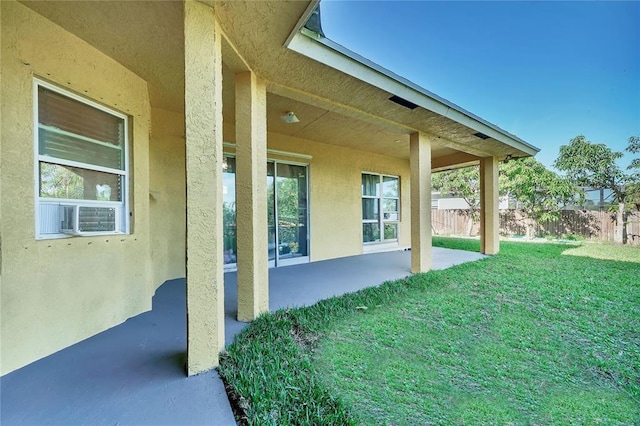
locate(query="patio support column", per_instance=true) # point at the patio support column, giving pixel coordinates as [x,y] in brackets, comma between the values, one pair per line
[251,196]
[420,163]
[489,215]
[203,138]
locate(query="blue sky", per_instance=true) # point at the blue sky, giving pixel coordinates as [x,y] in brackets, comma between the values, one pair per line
[544,71]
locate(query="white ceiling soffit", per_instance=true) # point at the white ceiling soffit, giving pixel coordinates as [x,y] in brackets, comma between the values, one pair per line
[344,60]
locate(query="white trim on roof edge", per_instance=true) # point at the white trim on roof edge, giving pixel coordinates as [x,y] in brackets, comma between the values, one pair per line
[344,60]
[303,20]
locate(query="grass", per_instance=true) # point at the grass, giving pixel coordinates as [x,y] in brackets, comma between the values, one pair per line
[607,252]
[525,337]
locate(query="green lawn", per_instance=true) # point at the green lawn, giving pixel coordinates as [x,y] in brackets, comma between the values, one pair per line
[530,336]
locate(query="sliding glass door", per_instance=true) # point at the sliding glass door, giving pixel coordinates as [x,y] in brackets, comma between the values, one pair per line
[229,211]
[272,241]
[288,217]
[287,213]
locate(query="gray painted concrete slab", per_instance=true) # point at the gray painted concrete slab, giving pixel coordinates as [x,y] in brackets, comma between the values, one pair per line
[306,284]
[133,374]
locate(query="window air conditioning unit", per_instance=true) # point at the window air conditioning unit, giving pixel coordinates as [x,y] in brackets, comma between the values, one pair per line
[83,219]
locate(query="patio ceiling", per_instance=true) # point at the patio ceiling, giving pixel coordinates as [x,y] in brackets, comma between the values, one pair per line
[260,31]
[325,125]
[332,106]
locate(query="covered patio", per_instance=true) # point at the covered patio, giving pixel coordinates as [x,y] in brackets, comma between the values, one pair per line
[134,373]
[207,171]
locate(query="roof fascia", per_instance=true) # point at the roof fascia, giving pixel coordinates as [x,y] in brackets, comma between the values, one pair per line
[302,21]
[342,59]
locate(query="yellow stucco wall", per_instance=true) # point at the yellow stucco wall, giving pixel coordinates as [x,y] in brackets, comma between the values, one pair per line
[58,292]
[335,201]
[335,178]
[167,195]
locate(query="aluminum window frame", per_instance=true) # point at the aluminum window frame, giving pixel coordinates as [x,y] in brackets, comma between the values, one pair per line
[379,197]
[123,224]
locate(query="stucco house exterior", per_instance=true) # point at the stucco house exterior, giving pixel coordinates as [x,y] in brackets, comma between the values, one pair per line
[144,141]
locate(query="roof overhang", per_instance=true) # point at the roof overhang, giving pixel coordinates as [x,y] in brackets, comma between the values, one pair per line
[332,54]
[340,97]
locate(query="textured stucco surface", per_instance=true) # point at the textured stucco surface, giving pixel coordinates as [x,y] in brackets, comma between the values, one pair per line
[167,195]
[335,197]
[251,196]
[489,217]
[257,32]
[203,117]
[57,292]
[420,202]
[144,36]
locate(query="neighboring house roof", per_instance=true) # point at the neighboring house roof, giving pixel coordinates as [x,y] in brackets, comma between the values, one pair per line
[340,97]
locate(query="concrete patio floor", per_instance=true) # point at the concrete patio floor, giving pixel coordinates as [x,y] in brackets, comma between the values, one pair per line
[133,374]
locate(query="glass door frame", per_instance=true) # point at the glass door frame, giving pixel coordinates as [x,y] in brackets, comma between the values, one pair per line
[276,262]
[231,264]
[229,257]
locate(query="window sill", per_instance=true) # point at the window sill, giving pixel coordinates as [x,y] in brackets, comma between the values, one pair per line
[88,234]
[381,246]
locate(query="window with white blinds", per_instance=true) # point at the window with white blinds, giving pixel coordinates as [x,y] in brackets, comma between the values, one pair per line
[82,165]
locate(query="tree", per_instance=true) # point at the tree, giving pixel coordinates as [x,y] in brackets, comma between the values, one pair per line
[541,192]
[594,165]
[634,188]
[463,183]
[61,182]
[634,148]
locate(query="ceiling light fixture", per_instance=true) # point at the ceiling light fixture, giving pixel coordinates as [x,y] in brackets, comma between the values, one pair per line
[290,118]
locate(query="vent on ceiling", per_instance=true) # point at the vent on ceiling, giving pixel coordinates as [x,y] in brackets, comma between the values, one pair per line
[481,135]
[405,103]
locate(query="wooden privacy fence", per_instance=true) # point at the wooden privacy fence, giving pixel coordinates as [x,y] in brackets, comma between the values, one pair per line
[590,225]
